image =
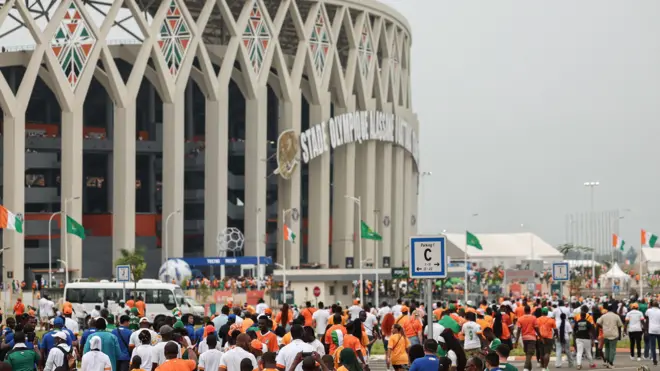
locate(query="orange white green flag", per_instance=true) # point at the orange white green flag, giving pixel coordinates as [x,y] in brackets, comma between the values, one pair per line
[9,220]
[618,242]
[648,239]
[288,234]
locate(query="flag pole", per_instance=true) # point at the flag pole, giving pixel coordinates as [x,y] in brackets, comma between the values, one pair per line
[466,267]
[283,257]
[641,275]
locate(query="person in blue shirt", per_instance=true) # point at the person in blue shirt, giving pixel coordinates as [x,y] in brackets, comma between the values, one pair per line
[8,333]
[109,343]
[48,341]
[190,327]
[493,362]
[90,330]
[123,334]
[430,361]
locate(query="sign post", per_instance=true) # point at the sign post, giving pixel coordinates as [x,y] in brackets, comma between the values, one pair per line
[123,276]
[561,274]
[428,259]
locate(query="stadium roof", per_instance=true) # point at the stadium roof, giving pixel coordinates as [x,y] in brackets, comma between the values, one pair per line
[650,254]
[518,246]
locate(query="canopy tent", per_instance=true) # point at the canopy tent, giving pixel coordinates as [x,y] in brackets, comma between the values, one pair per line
[505,249]
[615,273]
[650,259]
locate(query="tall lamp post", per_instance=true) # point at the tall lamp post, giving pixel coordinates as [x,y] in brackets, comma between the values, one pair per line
[283,265]
[592,186]
[474,215]
[167,221]
[50,247]
[64,224]
[358,203]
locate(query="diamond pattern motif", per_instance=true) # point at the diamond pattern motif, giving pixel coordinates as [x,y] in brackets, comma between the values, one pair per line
[319,43]
[365,51]
[175,37]
[396,65]
[256,37]
[72,44]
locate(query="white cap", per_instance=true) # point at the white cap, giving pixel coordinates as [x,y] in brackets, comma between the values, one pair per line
[144,319]
[61,335]
[470,303]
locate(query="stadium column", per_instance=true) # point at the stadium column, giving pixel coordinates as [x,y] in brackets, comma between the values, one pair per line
[343,211]
[416,179]
[215,171]
[397,219]
[256,109]
[408,190]
[366,186]
[288,190]
[384,196]
[173,172]
[318,210]
[72,181]
[123,174]
[13,174]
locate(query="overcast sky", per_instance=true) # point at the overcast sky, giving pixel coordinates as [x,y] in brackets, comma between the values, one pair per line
[521,102]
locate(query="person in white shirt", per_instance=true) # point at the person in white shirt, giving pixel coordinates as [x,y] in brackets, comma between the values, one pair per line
[471,331]
[70,323]
[320,320]
[210,359]
[384,309]
[635,327]
[134,340]
[287,354]
[231,360]
[45,310]
[56,356]
[158,350]
[311,339]
[95,359]
[354,310]
[370,326]
[653,315]
[144,350]
[437,330]
[261,307]
[396,309]
[203,345]
[563,340]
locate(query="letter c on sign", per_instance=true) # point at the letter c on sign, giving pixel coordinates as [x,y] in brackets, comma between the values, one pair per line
[426,256]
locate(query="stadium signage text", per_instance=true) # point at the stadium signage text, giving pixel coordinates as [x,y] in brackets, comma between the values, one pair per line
[357,127]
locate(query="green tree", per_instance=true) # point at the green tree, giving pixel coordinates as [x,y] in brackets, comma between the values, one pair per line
[134,259]
[204,292]
[568,248]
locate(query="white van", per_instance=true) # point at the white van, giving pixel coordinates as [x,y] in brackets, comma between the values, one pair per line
[160,298]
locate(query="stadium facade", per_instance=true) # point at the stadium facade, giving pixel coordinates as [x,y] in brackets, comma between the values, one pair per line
[216,113]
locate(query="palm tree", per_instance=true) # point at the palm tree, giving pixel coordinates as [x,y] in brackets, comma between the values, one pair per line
[134,259]
[568,248]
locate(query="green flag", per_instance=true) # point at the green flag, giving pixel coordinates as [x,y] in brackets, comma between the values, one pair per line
[472,240]
[367,233]
[73,227]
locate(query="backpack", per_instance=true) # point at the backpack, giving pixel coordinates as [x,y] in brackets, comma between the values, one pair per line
[67,357]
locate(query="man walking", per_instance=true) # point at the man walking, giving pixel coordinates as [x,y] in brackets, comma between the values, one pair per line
[653,315]
[611,324]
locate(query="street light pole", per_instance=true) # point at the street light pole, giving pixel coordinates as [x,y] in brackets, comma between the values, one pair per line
[66,235]
[466,262]
[258,275]
[592,186]
[376,264]
[50,247]
[357,201]
[167,221]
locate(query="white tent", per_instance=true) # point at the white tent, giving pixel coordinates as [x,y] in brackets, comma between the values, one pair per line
[650,259]
[615,273]
[507,249]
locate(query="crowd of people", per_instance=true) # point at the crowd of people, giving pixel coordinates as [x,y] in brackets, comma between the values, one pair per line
[464,336]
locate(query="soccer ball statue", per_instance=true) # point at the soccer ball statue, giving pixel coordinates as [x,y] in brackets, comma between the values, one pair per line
[231,239]
[174,269]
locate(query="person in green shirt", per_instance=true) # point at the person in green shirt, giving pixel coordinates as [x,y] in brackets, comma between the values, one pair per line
[447,322]
[134,319]
[20,357]
[494,342]
[503,352]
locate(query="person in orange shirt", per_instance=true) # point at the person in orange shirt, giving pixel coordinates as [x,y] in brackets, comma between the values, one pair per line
[266,336]
[547,327]
[501,329]
[284,317]
[397,349]
[333,333]
[438,310]
[130,303]
[307,313]
[352,342]
[528,329]
[141,306]
[19,308]
[520,309]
